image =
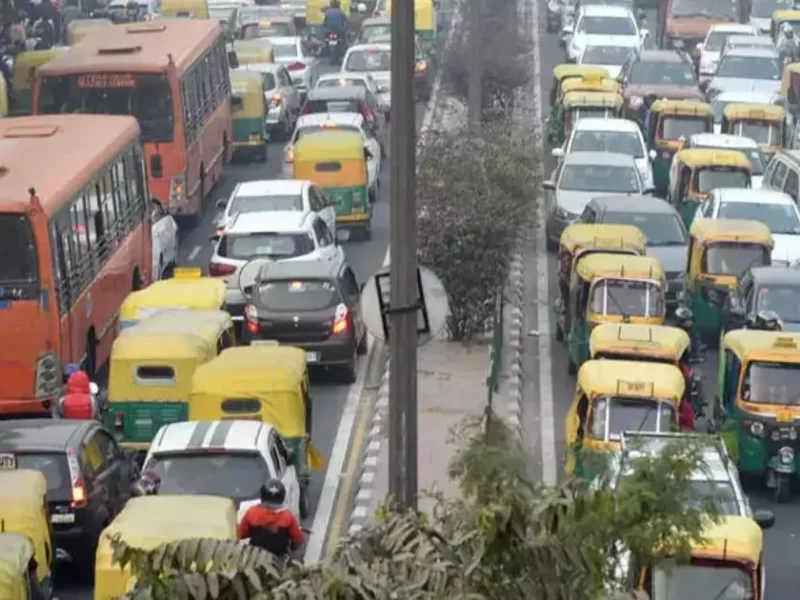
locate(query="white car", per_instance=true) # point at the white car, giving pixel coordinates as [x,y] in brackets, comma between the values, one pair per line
[165,242]
[618,136]
[609,52]
[761,12]
[340,121]
[722,141]
[231,459]
[376,60]
[747,70]
[594,19]
[711,48]
[777,210]
[747,41]
[303,67]
[279,195]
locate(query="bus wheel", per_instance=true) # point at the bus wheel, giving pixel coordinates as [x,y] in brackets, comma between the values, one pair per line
[136,280]
[91,354]
[202,185]
[226,152]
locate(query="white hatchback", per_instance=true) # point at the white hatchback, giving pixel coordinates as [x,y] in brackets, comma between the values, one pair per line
[711,48]
[598,19]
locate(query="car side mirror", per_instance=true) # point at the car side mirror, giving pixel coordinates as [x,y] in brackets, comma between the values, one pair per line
[648,191]
[214,238]
[557,153]
[233,59]
[367,154]
[549,185]
[764,518]
[220,204]
[652,154]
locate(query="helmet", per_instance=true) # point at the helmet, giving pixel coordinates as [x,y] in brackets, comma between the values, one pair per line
[768,320]
[273,493]
[334,3]
[787,29]
[147,485]
[682,313]
[71,368]
[362,8]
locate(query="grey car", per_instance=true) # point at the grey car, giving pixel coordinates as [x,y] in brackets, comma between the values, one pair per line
[660,223]
[747,70]
[770,288]
[582,176]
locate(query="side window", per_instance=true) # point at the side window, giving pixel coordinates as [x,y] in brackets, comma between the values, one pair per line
[277,459]
[588,216]
[284,77]
[314,201]
[93,455]
[282,451]
[792,184]
[323,233]
[350,283]
[107,445]
[778,175]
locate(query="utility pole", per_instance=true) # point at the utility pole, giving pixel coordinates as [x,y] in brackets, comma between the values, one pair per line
[475,68]
[403,262]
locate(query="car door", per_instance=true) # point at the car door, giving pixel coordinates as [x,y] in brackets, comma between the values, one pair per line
[325,208]
[121,471]
[286,473]
[372,144]
[325,239]
[101,491]
[165,238]
[352,295]
[289,91]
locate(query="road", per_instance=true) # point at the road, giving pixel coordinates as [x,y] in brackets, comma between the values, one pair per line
[781,541]
[364,257]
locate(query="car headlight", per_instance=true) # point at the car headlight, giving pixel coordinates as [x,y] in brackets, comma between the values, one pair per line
[786,455]
[757,429]
[564,214]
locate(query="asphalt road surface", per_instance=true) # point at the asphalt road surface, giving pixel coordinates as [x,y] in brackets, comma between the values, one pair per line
[781,541]
[364,257]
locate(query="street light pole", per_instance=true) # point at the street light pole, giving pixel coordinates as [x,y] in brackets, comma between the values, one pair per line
[403,262]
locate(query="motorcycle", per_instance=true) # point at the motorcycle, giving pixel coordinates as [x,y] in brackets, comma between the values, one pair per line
[334,47]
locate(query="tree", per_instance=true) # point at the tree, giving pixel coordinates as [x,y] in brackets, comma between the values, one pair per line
[507,537]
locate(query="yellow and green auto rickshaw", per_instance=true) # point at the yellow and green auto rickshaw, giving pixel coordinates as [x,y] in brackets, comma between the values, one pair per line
[697,171]
[561,74]
[16,556]
[3,97]
[249,111]
[425,21]
[581,239]
[611,288]
[25,66]
[758,387]
[642,343]
[763,123]
[336,160]
[790,86]
[186,9]
[587,83]
[672,122]
[254,52]
[315,15]
[720,251]
[264,382]
[616,396]
[80,28]
[581,104]
[779,17]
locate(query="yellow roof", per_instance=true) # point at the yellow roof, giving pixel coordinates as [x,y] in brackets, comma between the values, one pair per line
[330,145]
[731,230]
[752,344]
[258,47]
[593,84]
[15,550]
[200,292]
[583,235]
[632,379]
[737,538]
[686,108]
[653,340]
[245,81]
[23,483]
[619,265]
[791,68]
[768,112]
[205,323]
[133,344]
[593,99]
[572,70]
[702,157]
[786,15]
[253,369]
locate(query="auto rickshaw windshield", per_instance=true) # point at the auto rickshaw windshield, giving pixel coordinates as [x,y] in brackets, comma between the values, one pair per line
[702,579]
[612,415]
[629,297]
[763,132]
[674,127]
[711,178]
[772,383]
[733,258]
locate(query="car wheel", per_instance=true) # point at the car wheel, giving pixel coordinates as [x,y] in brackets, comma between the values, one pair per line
[362,345]
[349,371]
[304,509]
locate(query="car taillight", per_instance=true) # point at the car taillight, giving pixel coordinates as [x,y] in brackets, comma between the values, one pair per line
[333,36]
[342,320]
[306,109]
[298,66]
[78,487]
[288,156]
[277,99]
[251,318]
[220,269]
[421,66]
[119,420]
[365,110]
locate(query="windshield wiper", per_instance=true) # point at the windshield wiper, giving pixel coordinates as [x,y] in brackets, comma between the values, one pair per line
[625,316]
[667,243]
[723,591]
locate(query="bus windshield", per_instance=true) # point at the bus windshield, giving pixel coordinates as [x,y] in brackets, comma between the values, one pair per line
[145,96]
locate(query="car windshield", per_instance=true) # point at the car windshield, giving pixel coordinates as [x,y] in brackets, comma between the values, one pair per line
[772,383]
[712,581]
[275,30]
[709,9]
[618,142]
[250,204]
[265,245]
[782,299]
[611,416]
[296,295]
[236,476]
[750,67]
[342,82]
[285,50]
[606,55]
[600,178]
[306,130]
[626,297]
[369,60]
[733,258]
[716,40]
[660,73]
[762,132]
[720,493]
[780,218]
[372,33]
[675,128]
[659,229]
[54,467]
[763,9]
[720,177]
[606,26]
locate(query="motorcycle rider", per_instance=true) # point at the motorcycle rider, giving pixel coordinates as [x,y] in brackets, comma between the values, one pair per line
[270,525]
[645,113]
[335,21]
[787,46]
[686,322]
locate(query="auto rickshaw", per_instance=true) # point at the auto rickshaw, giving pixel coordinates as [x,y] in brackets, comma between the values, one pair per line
[612,397]
[315,15]
[671,123]
[697,171]
[425,21]
[249,110]
[757,392]
[642,343]
[336,160]
[580,104]
[25,67]
[254,52]
[265,382]
[611,288]
[187,289]
[3,97]
[779,17]
[763,123]
[561,74]
[790,86]
[147,522]
[579,240]
[721,251]
[80,28]
[16,553]
[187,9]
[149,381]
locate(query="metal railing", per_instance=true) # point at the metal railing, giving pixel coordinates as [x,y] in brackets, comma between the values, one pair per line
[495,351]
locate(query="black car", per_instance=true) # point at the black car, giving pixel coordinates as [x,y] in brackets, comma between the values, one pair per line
[310,305]
[89,479]
[761,289]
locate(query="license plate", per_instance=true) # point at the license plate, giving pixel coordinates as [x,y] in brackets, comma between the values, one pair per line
[342,235]
[333,42]
[312,357]
[8,462]
[62,518]
[786,417]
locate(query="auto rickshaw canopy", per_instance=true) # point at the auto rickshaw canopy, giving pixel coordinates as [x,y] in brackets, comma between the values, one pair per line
[562,72]
[683,108]
[706,231]
[657,341]
[707,157]
[754,111]
[781,16]
[590,83]
[767,346]
[25,484]
[631,379]
[146,345]
[584,235]
[329,145]
[581,99]
[600,265]
[208,324]
[734,537]
[182,291]
[16,552]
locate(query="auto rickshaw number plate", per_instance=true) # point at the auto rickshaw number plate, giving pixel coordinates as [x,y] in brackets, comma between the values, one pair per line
[312,357]
[8,462]
[785,417]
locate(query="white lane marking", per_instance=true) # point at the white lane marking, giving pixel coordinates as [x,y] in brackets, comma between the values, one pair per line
[330,485]
[193,254]
[546,418]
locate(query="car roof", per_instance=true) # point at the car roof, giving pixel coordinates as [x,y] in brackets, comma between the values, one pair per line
[738,27]
[761,40]
[757,52]
[199,435]
[660,56]
[752,97]
[605,10]
[344,92]
[750,195]
[42,434]
[301,269]
[599,158]
[385,46]
[625,41]
[375,21]
[722,140]
[284,40]
[775,274]
[606,124]
[340,118]
[270,187]
[345,75]
[288,221]
[633,204]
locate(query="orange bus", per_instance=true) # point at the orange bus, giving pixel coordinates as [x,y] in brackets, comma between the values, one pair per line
[75,237]
[172,75]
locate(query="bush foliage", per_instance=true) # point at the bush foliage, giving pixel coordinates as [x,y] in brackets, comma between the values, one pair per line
[507,537]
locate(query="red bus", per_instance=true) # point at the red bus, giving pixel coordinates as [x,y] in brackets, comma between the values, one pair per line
[172,75]
[75,239]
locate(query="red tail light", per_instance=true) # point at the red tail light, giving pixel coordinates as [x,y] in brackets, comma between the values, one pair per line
[78,486]
[343,320]
[333,36]
[306,109]
[220,269]
[251,318]
[298,66]
[365,110]
[119,421]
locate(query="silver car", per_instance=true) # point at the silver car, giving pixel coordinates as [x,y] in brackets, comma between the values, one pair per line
[747,70]
[303,67]
[581,176]
[376,60]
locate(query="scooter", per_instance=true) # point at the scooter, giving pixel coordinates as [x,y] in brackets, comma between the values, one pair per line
[334,47]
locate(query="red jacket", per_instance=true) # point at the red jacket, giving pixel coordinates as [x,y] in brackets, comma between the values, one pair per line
[262,518]
[78,402]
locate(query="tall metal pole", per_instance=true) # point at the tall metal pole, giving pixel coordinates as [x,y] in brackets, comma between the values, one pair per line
[475,68]
[403,266]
